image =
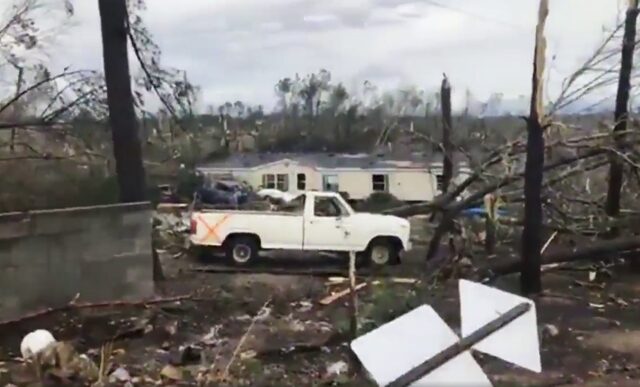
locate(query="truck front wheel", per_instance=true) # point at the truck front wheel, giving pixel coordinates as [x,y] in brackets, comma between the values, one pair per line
[241,250]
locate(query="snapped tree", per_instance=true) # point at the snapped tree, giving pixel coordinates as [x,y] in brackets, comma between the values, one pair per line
[530,276]
[122,118]
[616,166]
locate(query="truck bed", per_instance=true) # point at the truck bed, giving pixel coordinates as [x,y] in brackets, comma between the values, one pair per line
[252,207]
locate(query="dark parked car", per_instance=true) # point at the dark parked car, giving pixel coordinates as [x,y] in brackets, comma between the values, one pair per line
[228,192]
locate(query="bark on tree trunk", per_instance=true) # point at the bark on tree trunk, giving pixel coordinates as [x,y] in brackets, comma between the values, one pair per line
[612,205]
[530,276]
[490,220]
[447,162]
[122,117]
[12,144]
[490,236]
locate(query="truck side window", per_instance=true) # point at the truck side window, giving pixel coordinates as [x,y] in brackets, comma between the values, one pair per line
[327,207]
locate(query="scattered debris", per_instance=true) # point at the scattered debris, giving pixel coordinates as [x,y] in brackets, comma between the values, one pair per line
[172,373]
[262,313]
[212,338]
[120,375]
[338,368]
[250,354]
[588,284]
[88,305]
[395,280]
[550,330]
[335,296]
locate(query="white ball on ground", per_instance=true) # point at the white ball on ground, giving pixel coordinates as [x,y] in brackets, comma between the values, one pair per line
[35,342]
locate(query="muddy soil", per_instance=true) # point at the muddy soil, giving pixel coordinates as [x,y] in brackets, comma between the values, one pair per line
[590,330]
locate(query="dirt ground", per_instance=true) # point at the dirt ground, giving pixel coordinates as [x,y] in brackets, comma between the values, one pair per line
[590,330]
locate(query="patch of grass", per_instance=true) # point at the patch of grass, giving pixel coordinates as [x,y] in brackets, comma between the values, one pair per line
[385,303]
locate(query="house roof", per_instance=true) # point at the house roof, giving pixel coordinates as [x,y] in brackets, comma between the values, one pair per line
[325,161]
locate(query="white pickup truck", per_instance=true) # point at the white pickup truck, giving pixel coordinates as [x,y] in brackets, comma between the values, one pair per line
[315,221]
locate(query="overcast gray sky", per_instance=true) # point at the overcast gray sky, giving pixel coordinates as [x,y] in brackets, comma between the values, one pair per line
[238,49]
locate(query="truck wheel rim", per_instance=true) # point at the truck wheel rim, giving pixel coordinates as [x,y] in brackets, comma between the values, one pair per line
[241,253]
[380,255]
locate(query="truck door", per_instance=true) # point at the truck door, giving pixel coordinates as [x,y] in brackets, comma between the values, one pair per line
[328,227]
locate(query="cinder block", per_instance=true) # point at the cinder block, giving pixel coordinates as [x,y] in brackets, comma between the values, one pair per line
[15,225]
[101,280]
[129,231]
[10,307]
[140,290]
[65,276]
[101,246]
[57,223]
[143,245]
[139,274]
[34,250]
[9,302]
[142,218]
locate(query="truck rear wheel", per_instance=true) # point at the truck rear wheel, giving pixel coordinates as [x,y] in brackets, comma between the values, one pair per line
[241,250]
[380,252]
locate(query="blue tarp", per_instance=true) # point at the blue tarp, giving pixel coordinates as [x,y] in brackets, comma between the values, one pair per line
[480,211]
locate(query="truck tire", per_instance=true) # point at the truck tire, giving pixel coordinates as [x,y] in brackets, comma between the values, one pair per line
[241,250]
[380,252]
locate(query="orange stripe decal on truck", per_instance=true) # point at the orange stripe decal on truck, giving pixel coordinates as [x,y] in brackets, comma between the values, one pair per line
[212,230]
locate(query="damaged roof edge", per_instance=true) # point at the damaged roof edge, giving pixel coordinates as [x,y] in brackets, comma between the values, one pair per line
[326,161]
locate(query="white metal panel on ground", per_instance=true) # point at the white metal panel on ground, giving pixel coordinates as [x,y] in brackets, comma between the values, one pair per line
[518,342]
[395,348]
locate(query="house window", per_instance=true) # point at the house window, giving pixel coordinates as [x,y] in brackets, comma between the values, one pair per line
[269,181]
[279,181]
[330,183]
[282,182]
[380,183]
[302,181]
[439,182]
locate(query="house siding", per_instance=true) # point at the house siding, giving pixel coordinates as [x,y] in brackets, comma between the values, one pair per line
[413,185]
[406,185]
[291,169]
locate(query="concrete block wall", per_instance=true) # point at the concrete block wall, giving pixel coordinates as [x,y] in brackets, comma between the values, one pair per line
[47,257]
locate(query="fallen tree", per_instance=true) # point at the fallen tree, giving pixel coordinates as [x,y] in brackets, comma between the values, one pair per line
[628,247]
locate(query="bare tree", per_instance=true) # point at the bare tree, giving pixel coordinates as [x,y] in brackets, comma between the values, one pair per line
[616,168]
[122,118]
[447,164]
[530,276]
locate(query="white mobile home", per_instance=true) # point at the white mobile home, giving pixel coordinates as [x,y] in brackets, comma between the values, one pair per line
[412,179]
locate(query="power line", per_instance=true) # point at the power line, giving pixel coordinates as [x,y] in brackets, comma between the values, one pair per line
[473,14]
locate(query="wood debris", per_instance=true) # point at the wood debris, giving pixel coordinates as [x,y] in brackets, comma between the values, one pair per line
[335,296]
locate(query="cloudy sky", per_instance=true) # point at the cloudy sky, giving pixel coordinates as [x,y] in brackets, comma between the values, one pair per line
[238,49]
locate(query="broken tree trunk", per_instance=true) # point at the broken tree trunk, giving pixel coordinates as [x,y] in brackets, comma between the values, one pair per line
[530,276]
[122,117]
[16,106]
[353,305]
[490,221]
[447,147]
[616,172]
[158,273]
